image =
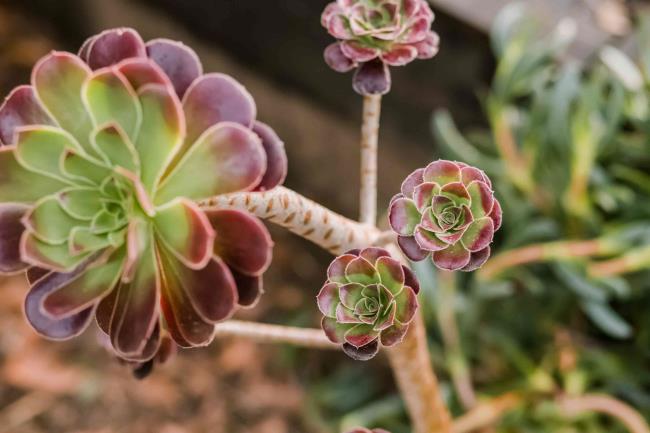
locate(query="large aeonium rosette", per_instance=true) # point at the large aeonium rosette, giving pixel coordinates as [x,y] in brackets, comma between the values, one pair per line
[375,34]
[368,300]
[446,210]
[104,158]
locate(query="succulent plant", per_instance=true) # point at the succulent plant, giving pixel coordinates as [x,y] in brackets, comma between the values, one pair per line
[448,210]
[368,300]
[375,34]
[104,158]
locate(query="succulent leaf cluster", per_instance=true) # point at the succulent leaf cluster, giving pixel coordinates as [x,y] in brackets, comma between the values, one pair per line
[368,300]
[103,159]
[375,34]
[446,210]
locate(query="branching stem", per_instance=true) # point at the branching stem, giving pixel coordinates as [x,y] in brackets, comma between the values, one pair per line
[264,333]
[369,144]
[301,216]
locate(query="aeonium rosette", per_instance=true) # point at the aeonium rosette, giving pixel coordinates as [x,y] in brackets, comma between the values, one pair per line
[446,210]
[368,300]
[375,34]
[104,158]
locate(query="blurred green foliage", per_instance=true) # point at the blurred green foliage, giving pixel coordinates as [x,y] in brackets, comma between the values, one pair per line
[562,308]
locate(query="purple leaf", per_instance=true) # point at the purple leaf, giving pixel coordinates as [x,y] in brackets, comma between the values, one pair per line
[337,60]
[364,353]
[328,299]
[11,230]
[453,258]
[477,260]
[249,288]
[21,108]
[180,63]
[372,78]
[242,241]
[411,248]
[276,157]
[112,46]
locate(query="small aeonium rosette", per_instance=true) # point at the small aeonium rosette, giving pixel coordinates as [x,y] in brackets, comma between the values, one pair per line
[104,159]
[368,301]
[446,210]
[375,34]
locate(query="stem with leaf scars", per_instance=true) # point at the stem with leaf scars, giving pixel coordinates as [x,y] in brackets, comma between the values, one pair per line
[264,333]
[369,145]
[301,216]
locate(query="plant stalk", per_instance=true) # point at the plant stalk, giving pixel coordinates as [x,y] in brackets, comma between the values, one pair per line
[263,333]
[369,145]
[301,216]
[572,407]
[557,250]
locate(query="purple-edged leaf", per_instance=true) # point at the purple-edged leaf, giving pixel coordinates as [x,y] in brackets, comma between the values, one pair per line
[216,98]
[411,248]
[242,241]
[394,335]
[58,79]
[350,294]
[109,98]
[229,157]
[34,274]
[44,255]
[404,216]
[276,157]
[442,172]
[407,305]
[482,199]
[400,55]
[137,306]
[477,260]
[150,349]
[180,62]
[186,326]
[328,299]
[81,169]
[49,221]
[391,274]
[112,46]
[86,290]
[81,203]
[360,335]
[479,234]
[364,353]
[40,149]
[411,182]
[211,290]
[138,238]
[453,258]
[387,318]
[469,174]
[161,134]
[359,270]
[430,222]
[411,280]
[372,254]
[186,231]
[451,237]
[428,240]
[249,288]
[11,230]
[496,215]
[337,60]
[440,203]
[336,270]
[82,241]
[429,46]
[345,315]
[63,329]
[372,78]
[357,52]
[424,193]
[105,309]
[457,192]
[334,331]
[138,188]
[141,71]
[116,147]
[21,108]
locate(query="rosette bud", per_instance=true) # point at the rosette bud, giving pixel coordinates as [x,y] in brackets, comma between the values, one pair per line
[368,300]
[446,210]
